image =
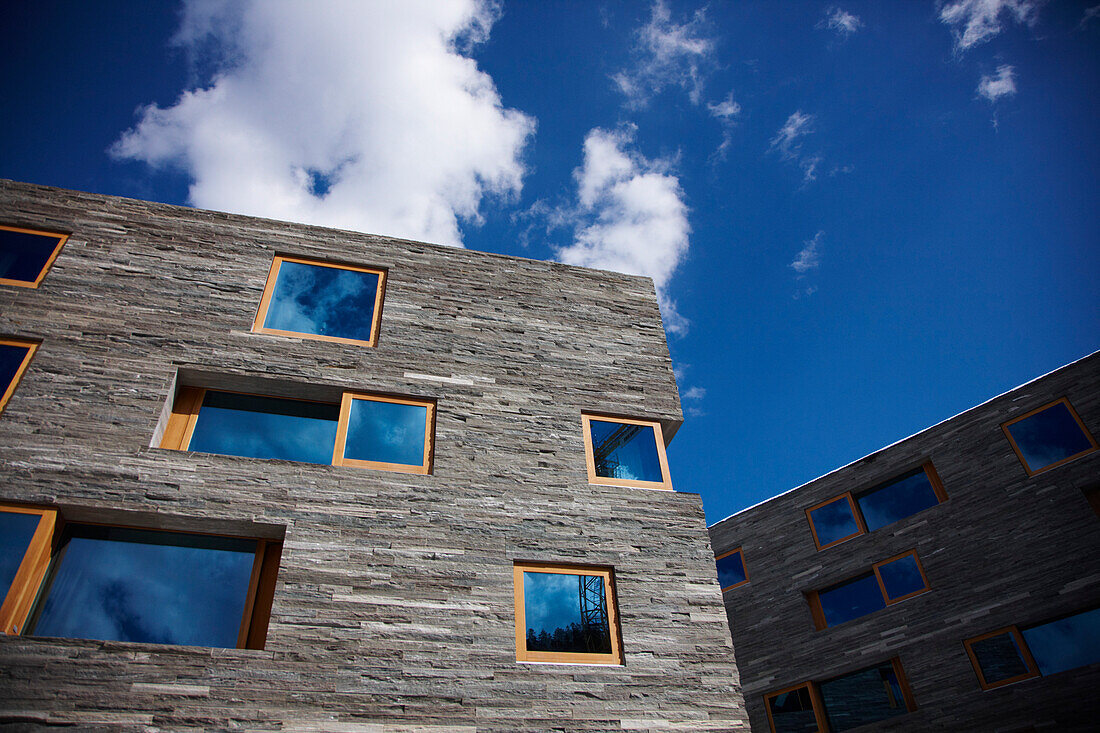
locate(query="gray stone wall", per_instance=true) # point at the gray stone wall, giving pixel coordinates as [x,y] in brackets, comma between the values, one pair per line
[1004,549]
[394,604]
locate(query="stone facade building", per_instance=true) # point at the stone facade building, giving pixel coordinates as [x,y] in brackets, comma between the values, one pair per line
[370,585]
[950,581]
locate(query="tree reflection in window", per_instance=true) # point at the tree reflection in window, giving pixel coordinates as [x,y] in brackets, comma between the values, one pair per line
[566,613]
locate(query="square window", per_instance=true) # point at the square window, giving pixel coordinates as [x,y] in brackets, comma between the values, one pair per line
[15,355]
[901,577]
[625,452]
[1000,658]
[566,613]
[321,300]
[1048,437]
[794,710]
[26,255]
[900,497]
[731,569]
[25,534]
[833,521]
[366,431]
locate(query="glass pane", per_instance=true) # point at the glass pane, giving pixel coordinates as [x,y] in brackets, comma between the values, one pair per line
[897,499]
[1049,436]
[121,584]
[834,521]
[10,359]
[999,658]
[16,531]
[565,613]
[901,577]
[731,570]
[851,600]
[22,255]
[265,427]
[793,712]
[326,301]
[386,432]
[862,697]
[1065,644]
[625,451]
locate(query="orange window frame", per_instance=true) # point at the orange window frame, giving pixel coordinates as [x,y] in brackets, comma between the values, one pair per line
[608,575]
[61,239]
[1021,645]
[744,567]
[269,292]
[861,528]
[1073,413]
[589,453]
[882,586]
[20,595]
[9,389]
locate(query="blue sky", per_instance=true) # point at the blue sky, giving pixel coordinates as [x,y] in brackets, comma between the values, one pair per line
[862,217]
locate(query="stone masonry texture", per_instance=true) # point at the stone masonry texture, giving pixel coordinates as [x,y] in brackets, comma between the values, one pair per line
[393,610]
[1004,549]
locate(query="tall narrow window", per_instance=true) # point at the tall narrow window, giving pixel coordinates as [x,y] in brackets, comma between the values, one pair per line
[1049,436]
[26,255]
[731,569]
[25,534]
[321,300]
[15,355]
[566,613]
[890,581]
[625,452]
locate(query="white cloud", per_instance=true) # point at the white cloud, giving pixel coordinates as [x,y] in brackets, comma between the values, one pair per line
[667,54]
[788,141]
[840,21]
[809,258]
[630,215]
[694,393]
[1002,85]
[1089,15]
[724,110]
[357,115]
[974,22]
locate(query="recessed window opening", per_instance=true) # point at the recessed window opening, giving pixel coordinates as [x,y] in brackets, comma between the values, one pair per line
[731,569]
[625,452]
[1049,436]
[26,255]
[890,581]
[15,356]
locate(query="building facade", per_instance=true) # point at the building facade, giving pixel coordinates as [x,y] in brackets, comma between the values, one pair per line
[950,581]
[241,514]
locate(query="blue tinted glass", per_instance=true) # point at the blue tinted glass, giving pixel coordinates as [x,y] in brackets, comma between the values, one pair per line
[901,577]
[999,658]
[834,521]
[897,499]
[159,587]
[16,531]
[565,613]
[10,359]
[22,255]
[851,599]
[862,697]
[793,712]
[265,427]
[1049,436]
[1065,644]
[326,301]
[386,432]
[731,570]
[625,451]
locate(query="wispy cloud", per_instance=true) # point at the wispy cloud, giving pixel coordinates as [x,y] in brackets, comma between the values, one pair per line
[807,261]
[1089,15]
[727,111]
[330,113]
[788,142]
[667,54]
[974,22]
[840,22]
[630,215]
[1003,84]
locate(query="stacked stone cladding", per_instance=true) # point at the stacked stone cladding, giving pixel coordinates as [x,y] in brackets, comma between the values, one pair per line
[1005,548]
[394,607]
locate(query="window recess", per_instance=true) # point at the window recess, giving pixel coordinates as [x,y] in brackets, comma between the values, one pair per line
[1048,437]
[363,430]
[15,357]
[889,581]
[623,451]
[27,254]
[94,581]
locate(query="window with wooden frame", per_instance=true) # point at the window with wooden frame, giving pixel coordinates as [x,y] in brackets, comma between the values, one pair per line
[731,569]
[566,613]
[1000,658]
[890,581]
[844,702]
[622,451]
[326,301]
[363,430]
[26,255]
[854,513]
[1014,654]
[15,355]
[93,581]
[1049,436]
